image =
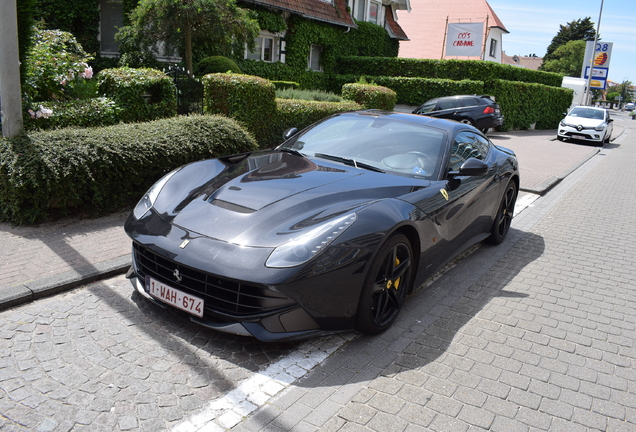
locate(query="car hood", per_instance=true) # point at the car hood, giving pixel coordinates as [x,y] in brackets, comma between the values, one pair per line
[266,198]
[585,122]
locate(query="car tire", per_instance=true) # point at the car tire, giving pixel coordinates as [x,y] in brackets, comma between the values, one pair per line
[485,130]
[560,138]
[386,286]
[505,213]
[468,121]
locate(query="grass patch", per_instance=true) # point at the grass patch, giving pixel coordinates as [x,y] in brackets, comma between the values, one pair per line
[310,95]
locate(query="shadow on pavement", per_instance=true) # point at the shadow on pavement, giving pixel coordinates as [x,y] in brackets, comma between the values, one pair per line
[434,316]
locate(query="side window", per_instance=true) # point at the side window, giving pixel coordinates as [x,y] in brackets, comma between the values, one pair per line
[264,49]
[493,47]
[112,13]
[448,104]
[468,102]
[315,55]
[361,10]
[467,145]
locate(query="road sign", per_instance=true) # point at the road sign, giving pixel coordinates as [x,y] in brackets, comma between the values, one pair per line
[598,58]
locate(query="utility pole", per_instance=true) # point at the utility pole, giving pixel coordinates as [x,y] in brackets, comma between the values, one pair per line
[10,93]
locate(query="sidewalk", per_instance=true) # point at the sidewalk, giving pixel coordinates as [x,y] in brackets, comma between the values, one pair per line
[45,259]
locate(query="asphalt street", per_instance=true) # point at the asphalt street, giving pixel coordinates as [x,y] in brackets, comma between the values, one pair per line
[536,334]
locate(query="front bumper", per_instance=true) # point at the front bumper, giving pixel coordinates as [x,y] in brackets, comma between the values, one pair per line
[585,134]
[257,329]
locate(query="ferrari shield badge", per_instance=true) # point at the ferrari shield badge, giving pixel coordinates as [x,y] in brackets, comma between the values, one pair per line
[444,193]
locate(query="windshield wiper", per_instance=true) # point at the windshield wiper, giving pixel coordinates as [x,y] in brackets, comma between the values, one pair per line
[350,162]
[292,151]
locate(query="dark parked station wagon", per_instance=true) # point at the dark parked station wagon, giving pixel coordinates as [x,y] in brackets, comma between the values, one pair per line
[479,111]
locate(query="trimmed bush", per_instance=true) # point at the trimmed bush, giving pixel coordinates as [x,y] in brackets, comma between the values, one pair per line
[370,96]
[142,94]
[216,64]
[475,70]
[526,104]
[104,169]
[416,91]
[300,114]
[248,99]
[79,113]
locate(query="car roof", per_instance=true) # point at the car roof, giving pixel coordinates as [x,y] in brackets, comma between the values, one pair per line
[589,107]
[461,96]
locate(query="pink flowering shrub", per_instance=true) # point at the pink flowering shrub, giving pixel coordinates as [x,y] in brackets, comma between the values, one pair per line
[56,65]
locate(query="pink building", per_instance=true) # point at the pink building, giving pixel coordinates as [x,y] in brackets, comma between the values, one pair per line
[426,26]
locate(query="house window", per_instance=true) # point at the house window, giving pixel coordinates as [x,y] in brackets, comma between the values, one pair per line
[361,10]
[315,55]
[264,49]
[112,17]
[493,47]
[374,12]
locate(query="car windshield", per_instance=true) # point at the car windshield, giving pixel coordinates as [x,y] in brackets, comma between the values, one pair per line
[378,142]
[587,113]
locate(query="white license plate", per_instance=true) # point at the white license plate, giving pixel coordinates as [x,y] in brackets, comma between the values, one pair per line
[582,137]
[174,297]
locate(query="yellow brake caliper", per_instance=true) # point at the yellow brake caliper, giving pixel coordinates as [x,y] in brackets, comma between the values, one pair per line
[391,284]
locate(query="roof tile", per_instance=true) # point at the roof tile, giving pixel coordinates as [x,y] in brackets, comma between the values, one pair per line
[318,10]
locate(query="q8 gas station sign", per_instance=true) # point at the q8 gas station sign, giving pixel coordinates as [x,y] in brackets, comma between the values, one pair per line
[597,60]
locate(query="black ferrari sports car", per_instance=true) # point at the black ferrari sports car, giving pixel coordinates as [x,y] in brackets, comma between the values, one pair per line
[328,232]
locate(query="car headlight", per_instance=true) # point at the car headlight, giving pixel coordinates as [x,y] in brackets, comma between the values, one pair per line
[310,244]
[148,200]
[600,127]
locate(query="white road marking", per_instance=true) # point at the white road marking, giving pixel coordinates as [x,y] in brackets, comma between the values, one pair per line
[224,413]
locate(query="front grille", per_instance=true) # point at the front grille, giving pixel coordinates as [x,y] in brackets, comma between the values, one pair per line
[221,295]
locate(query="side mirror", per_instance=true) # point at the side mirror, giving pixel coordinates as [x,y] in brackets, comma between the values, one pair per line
[289,133]
[609,120]
[471,167]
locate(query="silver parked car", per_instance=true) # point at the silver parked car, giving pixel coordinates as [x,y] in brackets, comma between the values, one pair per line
[586,124]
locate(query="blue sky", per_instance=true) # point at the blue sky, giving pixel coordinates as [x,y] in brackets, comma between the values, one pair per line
[532,25]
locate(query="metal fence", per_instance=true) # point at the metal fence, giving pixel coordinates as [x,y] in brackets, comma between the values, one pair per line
[189,91]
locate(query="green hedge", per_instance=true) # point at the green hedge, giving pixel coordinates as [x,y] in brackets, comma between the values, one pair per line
[370,96]
[79,113]
[142,94]
[306,79]
[216,64]
[250,100]
[300,114]
[525,105]
[103,169]
[415,91]
[475,70]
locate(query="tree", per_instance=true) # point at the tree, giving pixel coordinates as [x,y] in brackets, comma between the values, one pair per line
[568,59]
[622,90]
[174,26]
[580,29]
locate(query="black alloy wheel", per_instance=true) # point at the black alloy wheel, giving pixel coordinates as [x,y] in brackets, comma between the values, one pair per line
[386,287]
[503,219]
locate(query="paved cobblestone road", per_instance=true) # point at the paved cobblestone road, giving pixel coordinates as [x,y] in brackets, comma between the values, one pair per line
[536,334]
